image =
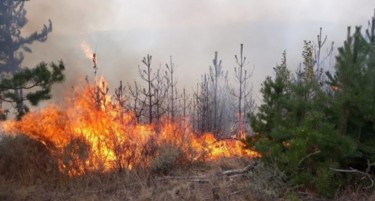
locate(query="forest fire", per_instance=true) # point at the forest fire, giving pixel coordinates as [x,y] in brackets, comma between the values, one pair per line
[89,132]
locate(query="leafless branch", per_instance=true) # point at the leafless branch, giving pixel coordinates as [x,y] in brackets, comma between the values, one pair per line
[352,170]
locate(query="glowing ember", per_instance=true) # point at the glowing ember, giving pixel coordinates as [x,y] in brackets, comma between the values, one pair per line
[334,88]
[91,133]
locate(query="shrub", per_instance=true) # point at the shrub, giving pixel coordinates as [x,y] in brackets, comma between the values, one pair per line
[169,157]
[25,159]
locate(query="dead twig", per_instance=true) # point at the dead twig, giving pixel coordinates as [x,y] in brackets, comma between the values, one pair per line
[240,171]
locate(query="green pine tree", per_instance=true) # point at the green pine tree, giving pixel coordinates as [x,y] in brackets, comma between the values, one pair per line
[294,131]
[275,94]
[19,84]
[12,43]
[35,84]
[354,100]
[352,81]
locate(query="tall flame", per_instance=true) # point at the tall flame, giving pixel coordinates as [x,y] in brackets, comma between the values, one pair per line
[89,54]
[87,50]
[89,132]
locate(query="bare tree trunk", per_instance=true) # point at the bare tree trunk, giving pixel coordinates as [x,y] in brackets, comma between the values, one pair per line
[146,75]
[243,95]
[169,76]
[203,107]
[138,105]
[148,64]
[215,74]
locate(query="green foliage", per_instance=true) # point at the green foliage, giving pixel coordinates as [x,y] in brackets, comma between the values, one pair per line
[354,101]
[306,129]
[34,84]
[13,44]
[326,181]
[275,96]
[354,76]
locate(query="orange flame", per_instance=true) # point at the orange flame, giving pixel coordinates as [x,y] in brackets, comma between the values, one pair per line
[87,50]
[89,53]
[334,88]
[89,132]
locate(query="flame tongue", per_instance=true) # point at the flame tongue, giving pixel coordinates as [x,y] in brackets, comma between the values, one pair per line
[89,53]
[87,50]
[91,134]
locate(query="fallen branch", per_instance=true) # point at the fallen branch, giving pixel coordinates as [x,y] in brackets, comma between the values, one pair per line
[240,171]
[352,170]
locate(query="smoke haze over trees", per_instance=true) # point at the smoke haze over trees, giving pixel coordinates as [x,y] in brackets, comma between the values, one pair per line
[190,31]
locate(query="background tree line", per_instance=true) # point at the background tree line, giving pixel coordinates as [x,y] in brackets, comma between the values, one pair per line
[218,104]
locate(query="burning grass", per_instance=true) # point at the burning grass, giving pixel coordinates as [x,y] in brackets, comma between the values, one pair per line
[90,148]
[91,133]
[32,173]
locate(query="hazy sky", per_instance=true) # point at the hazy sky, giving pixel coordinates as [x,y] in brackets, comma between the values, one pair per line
[121,32]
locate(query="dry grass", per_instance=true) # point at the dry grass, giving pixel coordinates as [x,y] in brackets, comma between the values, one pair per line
[180,184]
[28,172]
[26,160]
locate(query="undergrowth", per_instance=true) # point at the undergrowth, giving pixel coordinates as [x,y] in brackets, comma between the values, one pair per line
[29,172]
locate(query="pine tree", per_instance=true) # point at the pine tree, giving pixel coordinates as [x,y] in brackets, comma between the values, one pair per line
[293,131]
[172,90]
[155,91]
[35,85]
[13,44]
[353,101]
[350,79]
[310,130]
[242,92]
[275,94]
[217,78]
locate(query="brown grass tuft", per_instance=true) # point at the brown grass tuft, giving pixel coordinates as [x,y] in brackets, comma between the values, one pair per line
[26,160]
